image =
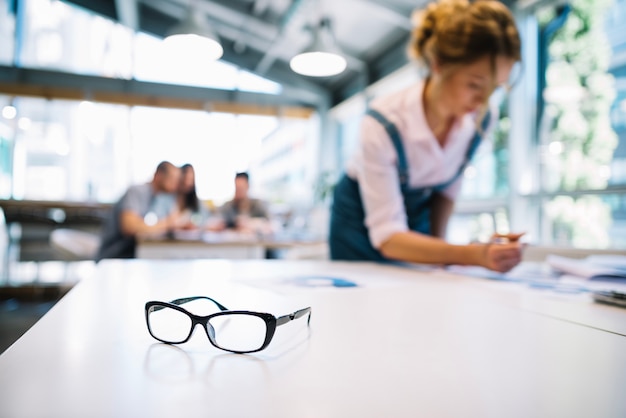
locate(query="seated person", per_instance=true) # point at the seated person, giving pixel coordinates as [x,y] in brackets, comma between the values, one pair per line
[193,212]
[143,209]
[244,213]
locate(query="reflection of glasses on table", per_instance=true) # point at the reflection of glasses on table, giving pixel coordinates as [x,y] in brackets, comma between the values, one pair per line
[234,331]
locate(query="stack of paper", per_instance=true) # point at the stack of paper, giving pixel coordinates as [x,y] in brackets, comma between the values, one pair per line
[597,267]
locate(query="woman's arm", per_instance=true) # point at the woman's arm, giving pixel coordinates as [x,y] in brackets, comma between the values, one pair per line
[419,248]
[441,210]
[131,224]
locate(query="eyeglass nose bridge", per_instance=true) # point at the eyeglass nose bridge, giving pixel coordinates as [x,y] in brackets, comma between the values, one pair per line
[210,331]
[204,324]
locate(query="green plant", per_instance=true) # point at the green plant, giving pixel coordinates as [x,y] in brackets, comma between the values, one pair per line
[323,187]
[578,141]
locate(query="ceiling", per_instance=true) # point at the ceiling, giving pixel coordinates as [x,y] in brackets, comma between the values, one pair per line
[262,35]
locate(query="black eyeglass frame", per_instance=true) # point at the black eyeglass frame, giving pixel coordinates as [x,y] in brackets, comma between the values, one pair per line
[271,321]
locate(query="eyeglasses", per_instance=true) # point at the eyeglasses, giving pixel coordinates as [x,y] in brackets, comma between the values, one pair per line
[235,331]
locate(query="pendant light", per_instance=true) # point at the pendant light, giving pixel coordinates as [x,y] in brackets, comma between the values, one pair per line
[194,32]
[322,58]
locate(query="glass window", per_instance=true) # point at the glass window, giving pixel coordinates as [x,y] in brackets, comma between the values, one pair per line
[76,151]
[62,37]
[8,123]
[615,26]
[582,134]
[69,150]
[217,144]
[65,150]
[287,168]
[487,175]
[7,32]
[577,138]
[586,221]
[477,226]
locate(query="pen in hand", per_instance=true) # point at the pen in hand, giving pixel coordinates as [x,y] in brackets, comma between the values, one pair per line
[505,238]
[503,252]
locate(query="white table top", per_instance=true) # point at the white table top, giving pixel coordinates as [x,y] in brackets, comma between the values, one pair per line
[403,343]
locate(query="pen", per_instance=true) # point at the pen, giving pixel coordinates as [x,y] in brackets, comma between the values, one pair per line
[505,238]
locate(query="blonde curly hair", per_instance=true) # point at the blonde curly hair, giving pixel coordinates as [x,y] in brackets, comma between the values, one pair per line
[460,32]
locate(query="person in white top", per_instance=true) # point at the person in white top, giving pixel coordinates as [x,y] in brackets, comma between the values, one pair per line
[394,202]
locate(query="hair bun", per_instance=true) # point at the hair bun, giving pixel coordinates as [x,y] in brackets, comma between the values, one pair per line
[428,22]
[457,31]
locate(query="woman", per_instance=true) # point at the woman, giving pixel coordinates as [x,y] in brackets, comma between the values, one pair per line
[189,204]
[398,192]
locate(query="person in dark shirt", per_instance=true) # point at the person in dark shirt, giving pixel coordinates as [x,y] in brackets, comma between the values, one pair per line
[143,209]
[243,212]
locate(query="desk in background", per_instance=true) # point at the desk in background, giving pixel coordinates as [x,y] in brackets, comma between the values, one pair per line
[228,245]
[33,221]
[402,343]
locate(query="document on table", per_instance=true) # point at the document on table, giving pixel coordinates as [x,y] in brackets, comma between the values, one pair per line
[591,268]
[561,274]
[596,272]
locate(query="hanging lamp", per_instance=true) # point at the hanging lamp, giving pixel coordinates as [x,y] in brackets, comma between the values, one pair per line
[194,32]
[322,58]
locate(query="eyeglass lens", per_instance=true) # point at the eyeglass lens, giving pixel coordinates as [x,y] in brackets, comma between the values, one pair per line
[239,332]
[169,324]
[229,331]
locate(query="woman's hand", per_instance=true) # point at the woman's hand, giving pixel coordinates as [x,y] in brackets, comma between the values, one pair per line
[502,257]
[503,252]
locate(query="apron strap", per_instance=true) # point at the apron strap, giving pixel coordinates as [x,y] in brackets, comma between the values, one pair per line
[471,150]
[403,168]
[392,131]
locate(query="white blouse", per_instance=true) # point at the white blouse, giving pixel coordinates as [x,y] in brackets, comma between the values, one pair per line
[374,167]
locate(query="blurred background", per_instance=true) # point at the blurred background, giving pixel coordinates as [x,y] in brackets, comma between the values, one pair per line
[92,98]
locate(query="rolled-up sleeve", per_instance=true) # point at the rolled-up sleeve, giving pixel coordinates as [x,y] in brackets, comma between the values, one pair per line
[379,184]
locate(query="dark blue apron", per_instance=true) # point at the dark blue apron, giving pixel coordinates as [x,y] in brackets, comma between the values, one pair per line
[349,238]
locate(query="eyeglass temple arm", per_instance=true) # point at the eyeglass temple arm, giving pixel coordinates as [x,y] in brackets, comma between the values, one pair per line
[192,298]
[297,314]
